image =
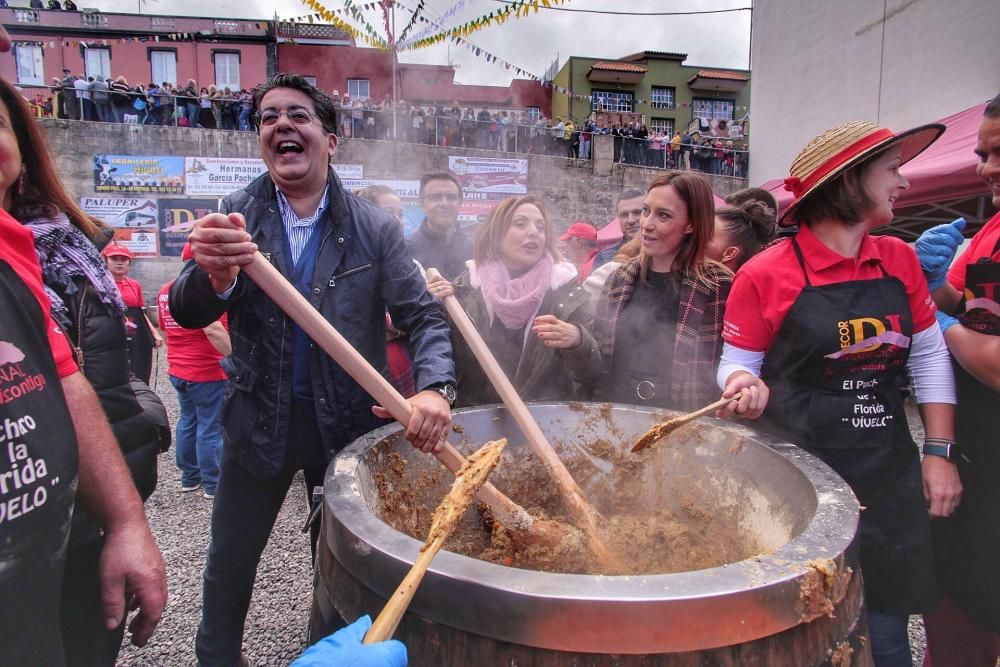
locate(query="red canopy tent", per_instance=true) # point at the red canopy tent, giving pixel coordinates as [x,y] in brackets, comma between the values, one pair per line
[943,181]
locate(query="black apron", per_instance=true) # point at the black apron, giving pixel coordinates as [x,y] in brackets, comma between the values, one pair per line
[835,372]
[38,467]
[968,543]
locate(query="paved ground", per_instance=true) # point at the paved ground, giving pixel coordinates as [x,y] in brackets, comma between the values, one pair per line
[279,612]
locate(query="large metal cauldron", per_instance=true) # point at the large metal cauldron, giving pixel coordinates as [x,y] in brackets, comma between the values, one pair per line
[792,591]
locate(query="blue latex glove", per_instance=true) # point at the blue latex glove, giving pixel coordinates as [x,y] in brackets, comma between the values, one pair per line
[945,320]
[344,649]
[936,248]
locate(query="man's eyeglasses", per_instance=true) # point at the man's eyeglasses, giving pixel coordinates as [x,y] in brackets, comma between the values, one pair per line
[436,197]
[298,115]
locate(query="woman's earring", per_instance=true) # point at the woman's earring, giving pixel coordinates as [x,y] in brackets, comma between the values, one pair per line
[20,182]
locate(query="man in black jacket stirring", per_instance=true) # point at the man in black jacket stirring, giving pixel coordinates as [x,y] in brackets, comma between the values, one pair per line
[291,408]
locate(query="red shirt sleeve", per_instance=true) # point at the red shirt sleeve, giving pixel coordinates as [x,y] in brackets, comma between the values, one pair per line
[982,245]
[745,326]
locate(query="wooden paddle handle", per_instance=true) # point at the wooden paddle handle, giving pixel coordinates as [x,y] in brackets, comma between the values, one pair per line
[568,488]
[388,619]
[270,280]
[709,408]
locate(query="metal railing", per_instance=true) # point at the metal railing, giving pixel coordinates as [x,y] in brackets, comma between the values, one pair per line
[712,156]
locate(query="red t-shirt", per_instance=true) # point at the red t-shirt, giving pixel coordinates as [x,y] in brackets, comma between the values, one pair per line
[982,245]
[190,355]
[766,286]
[131,291]
[17,248]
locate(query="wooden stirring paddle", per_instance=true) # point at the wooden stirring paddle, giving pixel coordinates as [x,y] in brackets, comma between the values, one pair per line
[468,479]
[523,527]
[581,510]
[658,431]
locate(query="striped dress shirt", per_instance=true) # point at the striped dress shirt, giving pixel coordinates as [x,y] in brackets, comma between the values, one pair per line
[298,230]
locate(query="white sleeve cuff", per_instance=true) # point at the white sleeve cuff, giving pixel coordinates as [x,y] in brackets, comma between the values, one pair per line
[930,367]
[225,295]
[737,359]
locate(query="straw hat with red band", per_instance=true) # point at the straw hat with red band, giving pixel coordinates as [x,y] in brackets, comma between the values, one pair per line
[835,151]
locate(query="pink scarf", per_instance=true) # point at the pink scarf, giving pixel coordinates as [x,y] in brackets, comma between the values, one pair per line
[514,300]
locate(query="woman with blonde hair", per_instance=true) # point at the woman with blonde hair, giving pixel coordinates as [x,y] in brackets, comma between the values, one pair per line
[526,303]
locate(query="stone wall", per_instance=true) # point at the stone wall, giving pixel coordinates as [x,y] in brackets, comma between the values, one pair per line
[571,189]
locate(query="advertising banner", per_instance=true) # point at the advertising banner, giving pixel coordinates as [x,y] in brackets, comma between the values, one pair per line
[485,182]
[177,217]
[124,212]
[221,176]
[409,197]
[139,173]
[140,242]
[490,175]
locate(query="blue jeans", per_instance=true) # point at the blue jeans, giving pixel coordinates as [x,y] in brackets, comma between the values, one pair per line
[243,516]
[199,431]
[890,640]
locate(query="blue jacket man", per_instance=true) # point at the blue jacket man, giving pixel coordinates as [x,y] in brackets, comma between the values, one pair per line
[290,407]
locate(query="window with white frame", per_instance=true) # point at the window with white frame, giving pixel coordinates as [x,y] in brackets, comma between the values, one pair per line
[661,97]
[163,66]
[665,125]
[97,61]
[29,63]
[227,70]
[534,113]
[357,89]
[611,101]
[711,108]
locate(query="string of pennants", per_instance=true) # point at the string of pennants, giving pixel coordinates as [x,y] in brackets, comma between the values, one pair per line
[516,9]
[412,22]
[366,33]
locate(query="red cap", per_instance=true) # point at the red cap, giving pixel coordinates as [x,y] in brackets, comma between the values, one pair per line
[580,230]
[113,249]
[186,252]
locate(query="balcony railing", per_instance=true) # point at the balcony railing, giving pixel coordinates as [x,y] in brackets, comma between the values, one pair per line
[226,26]
[93,19]
[26,16]
[161,22]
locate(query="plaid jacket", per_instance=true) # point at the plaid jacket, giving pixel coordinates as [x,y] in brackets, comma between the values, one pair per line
[698,341]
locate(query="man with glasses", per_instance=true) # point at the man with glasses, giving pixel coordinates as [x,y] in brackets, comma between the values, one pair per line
[629,209]
[290,407]
[439,243]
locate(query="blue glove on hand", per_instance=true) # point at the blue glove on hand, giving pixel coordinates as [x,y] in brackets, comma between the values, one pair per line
[936,248]
[945,320]
[344,649]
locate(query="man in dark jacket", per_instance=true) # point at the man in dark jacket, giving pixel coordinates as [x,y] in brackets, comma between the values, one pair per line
[291,408]
[439,243]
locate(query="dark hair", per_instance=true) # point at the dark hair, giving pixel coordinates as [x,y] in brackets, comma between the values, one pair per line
[321,101]
[992,109]
[486,242]
[439,176]
[630,193]
[41,191]
[843,198]
[696,192]
[750,226]
[753,194]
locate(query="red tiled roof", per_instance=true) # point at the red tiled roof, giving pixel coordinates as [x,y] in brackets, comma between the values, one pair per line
[720,74]
[620,67]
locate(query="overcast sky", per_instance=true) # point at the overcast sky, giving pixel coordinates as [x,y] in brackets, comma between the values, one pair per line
[531,43]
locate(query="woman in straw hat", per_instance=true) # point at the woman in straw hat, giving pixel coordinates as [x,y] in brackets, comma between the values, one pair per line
[832,320]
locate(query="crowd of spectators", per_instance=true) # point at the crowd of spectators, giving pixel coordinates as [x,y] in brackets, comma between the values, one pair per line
[716,150]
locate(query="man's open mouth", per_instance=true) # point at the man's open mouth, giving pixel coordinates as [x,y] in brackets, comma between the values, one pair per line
[286,147]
